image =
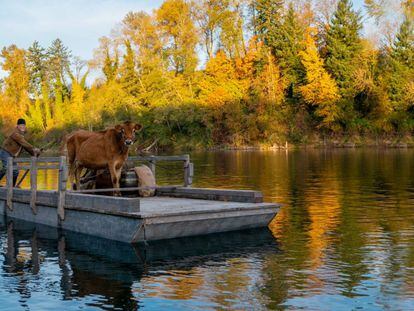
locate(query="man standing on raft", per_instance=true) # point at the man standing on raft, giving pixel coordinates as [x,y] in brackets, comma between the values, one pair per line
[12,147]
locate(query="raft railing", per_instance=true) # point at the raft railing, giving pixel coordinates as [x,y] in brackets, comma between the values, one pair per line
[60,163]
[35,164]
[188,166]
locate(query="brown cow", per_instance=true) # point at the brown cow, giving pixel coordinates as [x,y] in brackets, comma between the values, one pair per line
[71,146]
[100,150]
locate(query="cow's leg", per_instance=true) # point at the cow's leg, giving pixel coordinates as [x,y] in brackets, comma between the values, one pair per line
[115,177]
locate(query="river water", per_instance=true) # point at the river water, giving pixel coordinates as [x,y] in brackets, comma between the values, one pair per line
[343,240]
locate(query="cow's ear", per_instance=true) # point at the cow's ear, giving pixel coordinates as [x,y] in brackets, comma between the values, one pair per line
[118,128]
[137,127]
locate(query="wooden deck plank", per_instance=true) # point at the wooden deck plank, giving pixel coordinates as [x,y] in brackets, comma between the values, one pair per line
[156,206]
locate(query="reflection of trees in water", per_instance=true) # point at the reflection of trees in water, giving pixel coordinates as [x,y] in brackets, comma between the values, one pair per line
[347,217]
[113,273]
[359,207]
[80,275]
[175,284]
[19,261]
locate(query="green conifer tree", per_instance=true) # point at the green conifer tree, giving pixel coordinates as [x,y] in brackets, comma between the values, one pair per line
[343,43]
[288,42]
[401,65]
[36,62]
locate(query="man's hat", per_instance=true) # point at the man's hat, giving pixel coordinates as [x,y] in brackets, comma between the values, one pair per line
[21,121]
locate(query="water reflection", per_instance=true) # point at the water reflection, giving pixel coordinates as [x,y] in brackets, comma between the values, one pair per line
[78,269]
[344,239]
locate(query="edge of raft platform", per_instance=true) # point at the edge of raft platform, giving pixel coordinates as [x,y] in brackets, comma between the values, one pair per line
[175,211]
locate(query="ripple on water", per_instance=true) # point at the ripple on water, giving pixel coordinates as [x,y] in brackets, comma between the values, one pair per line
[344,239]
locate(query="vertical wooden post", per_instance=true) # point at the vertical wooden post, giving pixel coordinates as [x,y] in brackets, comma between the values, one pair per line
[33,184]
[191,174]
[152,163]
[10,183]
[188,168]
[63,178]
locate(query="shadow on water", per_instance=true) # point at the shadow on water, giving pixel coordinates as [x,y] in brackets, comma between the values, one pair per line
[93,267]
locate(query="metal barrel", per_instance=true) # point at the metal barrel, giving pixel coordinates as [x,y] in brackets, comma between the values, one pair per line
[129,179]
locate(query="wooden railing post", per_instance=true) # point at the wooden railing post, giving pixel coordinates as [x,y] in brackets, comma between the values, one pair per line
[33,184]
[188,172]
[152,163]
[10,183]
[191,174]
[63,178]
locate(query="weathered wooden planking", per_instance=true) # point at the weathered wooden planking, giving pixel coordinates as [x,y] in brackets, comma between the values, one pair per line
[213,194]
[102,203]
[156,206]
[86,202]
[44,197]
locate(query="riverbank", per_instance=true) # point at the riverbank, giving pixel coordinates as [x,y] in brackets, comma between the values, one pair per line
[322,144]
[314,142]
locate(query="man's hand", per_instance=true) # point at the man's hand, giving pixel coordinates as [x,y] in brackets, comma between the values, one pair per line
[37,152]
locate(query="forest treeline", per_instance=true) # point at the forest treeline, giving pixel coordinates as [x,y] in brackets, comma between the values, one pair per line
[227,72]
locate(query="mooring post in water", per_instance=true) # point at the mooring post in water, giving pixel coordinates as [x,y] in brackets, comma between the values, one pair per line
[63,177]
[188,172]
[33,184]
[10,183]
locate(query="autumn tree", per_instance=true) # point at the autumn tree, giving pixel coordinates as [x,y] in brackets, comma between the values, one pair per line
[110,67]
[210,15]
[320,89]
[76,111]
[232,30]
[266,96]
[263,78]
[127,72]
[371,101]
[34,116]
[221,92]
[16,83]
[179,32]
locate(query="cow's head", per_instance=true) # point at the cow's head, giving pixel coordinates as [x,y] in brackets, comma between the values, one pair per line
[126,131]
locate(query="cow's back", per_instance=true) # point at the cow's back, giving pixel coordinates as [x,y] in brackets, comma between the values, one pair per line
[98,150]
[74,142]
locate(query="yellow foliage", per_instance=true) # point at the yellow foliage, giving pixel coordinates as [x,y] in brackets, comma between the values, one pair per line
[219,85]
[76,110]
[409,94]
[320,89]
[269,84]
